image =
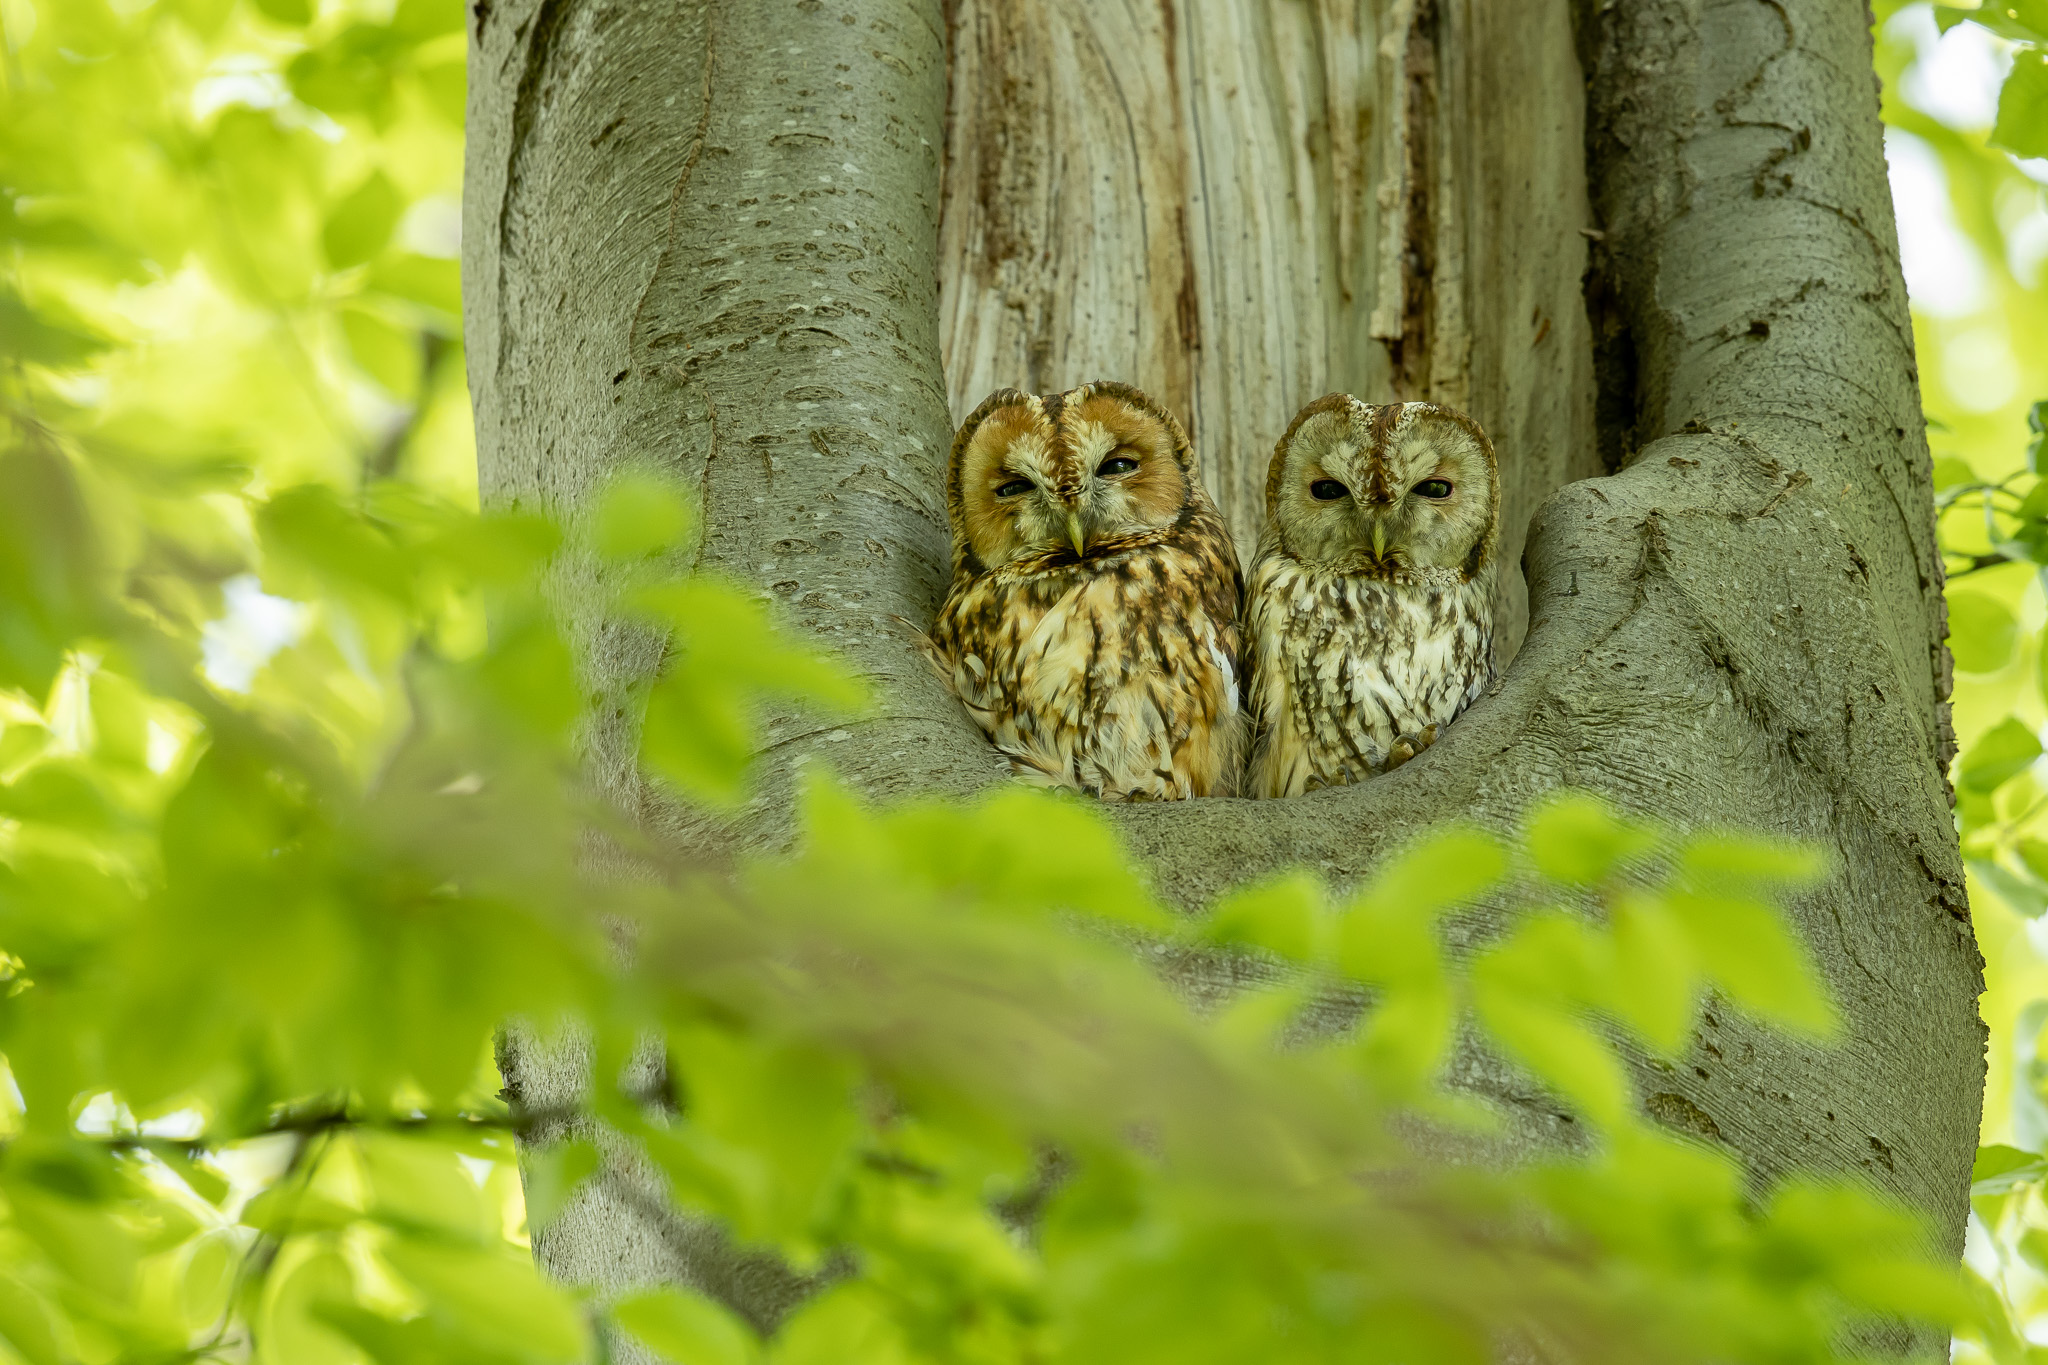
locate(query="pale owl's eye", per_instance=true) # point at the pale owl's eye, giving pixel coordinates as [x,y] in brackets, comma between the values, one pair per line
[1013,488]
[1434,488]
[1327,490]
[1116,464]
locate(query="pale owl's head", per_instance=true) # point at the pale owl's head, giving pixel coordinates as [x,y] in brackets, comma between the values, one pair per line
[1372,489]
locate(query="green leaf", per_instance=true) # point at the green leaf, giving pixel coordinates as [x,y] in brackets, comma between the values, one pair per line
[845,1323]
[297,13]
[553,1175]
[1999,1169]
[26,334]
[53,577]
[2022,893]
[640,514]
[699,726]
[2022,126]
[1725,861]
[1655,985]
[497,1299]
[1446,868]
[446,85]
[425,280]
[351,73]
[1284,916]
[388,354]
[1556,1045]
[2022,21]
[688,1328]
[1578,839]
[29,1323]
[1981,631]
[308,529]
[418,20]
[2037,423]
[2003,752]
[1750,953]
[361,224]
[1950,472]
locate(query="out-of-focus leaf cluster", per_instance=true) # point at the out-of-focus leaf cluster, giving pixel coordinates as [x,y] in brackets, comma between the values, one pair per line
[1982,342]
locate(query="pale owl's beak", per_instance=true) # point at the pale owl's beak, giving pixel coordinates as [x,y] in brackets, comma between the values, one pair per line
[1379,539]
[1074,532]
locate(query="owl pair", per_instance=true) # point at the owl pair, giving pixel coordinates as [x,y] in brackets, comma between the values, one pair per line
[1097,626]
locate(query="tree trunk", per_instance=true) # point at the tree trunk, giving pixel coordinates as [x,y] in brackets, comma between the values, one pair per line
[769,245]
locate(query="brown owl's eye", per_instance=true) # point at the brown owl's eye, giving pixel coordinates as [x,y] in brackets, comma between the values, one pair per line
[1327,490]
[1013,488]
[1116,464]
[1434,488]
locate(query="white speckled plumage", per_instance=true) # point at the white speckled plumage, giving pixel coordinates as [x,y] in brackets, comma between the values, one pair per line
[1369,608]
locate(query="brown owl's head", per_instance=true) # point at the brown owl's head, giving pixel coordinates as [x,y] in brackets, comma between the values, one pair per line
[1370,489]
[1072,473]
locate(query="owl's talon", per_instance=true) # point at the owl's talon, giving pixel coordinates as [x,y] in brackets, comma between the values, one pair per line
[1407,746]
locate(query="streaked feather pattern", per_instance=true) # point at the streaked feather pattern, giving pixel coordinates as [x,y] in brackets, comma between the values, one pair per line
[1113,670]
[1369,611]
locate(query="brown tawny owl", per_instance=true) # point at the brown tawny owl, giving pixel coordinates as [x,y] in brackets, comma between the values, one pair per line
[1092,625]
[1369,609]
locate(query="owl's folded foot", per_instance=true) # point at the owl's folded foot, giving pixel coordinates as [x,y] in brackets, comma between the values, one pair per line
[1407,746]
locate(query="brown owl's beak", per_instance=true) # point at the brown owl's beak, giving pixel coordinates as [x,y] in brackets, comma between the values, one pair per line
[1074,532]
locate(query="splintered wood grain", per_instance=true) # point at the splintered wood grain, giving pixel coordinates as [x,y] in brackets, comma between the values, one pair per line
[1240,208]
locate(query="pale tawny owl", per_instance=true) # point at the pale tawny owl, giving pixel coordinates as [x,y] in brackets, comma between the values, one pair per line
[1369,608]
[1092,625]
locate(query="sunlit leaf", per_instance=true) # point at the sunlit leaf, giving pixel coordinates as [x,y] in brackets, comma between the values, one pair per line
[1981,631]
[2026,893]
[1950,472]
[418,20]
[1752,956]
[297,13]
[2001,753]
[361,224]
[2022,126]
[1578,839]
[40,339]
[1284,916]
[640,514]
[1999,1169]
[687,1328]
[553,1175]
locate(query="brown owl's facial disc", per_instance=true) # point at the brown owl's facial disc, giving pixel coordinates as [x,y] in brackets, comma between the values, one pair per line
[1376,488]
[1065,472]
[1008,481]
[1124,465]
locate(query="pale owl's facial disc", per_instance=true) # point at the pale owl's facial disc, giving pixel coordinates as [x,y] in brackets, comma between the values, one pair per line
[1370,489]
[1041,474]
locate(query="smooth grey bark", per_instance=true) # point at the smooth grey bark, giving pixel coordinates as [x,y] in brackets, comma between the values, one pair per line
[715,237]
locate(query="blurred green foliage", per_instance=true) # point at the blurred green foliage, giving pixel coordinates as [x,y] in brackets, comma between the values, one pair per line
[290,823]
[1966,94]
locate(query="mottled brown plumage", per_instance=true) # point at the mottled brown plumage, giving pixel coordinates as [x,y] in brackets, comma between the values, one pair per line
[1092,625]
[1369,609]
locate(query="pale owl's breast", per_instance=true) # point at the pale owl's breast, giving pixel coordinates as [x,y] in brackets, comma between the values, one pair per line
[1346,666]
